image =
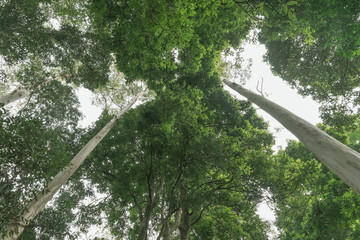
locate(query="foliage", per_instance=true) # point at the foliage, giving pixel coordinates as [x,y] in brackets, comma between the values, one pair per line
[176,140]
[193,153]
[312,203]
[35,145]
[154,40]
[315,49]
[27,33]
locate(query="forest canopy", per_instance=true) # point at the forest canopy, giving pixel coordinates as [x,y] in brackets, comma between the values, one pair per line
[173,155]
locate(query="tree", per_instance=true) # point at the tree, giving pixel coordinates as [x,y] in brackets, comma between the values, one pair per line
[155,40]
[313,46]
[40,200]
[40,52]
[327,149]
[171,44]
[163,150]
[311,202]
[36,143]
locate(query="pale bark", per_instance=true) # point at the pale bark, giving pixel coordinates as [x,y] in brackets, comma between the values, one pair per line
[342,160]
[34,207]
[16,94]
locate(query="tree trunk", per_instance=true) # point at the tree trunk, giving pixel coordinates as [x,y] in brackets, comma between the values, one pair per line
[13,96]
[340,159]
[185,226]
[167,228]
[144,223]
[34,207]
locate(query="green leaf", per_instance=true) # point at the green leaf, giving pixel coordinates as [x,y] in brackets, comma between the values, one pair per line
[292,3]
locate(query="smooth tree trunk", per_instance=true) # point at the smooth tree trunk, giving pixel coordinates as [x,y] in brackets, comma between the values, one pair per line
[342,160]
[16,94]
[34,207]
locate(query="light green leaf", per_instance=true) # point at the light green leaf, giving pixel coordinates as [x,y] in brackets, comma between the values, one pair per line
[290,3]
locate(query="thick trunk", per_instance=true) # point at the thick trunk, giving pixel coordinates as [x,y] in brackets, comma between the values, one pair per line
[340,159]
[168,228]
[185,226]
[13,96]
[153,200]
[144,223]
[41,200]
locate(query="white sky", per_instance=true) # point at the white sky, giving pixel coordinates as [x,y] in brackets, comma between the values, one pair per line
[279,92]
[275,89]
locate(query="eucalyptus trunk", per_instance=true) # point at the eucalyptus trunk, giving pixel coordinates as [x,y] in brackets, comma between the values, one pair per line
[342,160]
[36,205]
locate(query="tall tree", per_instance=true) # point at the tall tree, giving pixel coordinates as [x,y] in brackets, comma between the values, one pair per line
[162,152]
[36,143]
[311,202]
[327,149]
[41,199]
[313,45]
[42,45]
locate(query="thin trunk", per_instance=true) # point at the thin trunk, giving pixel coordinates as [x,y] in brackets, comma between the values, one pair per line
[34,207]
[340,159]
[13,96]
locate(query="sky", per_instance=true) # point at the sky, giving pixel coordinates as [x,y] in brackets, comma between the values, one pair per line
[274,88]
[278,91]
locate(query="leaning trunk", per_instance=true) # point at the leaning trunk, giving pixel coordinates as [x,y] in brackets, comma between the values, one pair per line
[13,96]
[340,159]
[34,207]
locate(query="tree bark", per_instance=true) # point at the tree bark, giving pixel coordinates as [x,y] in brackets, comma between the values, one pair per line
[342,160]
[13,96]
[144,223]
[35,206]
[168,228]
[153,200]
[185,226]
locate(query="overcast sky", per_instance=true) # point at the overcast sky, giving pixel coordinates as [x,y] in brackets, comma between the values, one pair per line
[275,89]
[279,92]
